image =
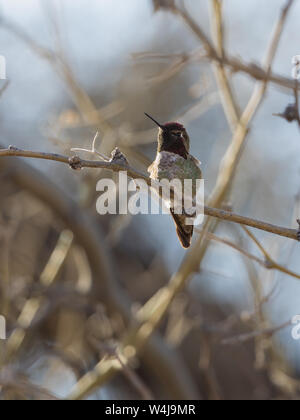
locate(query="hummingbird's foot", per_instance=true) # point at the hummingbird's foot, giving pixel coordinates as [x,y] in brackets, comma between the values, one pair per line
[298,233]
[118,157]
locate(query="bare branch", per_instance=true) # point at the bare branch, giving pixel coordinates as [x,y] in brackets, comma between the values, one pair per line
[267,263]
[92,150]
[234,64]
[268,332]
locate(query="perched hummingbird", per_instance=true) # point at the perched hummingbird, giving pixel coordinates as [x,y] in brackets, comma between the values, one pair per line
[173,161]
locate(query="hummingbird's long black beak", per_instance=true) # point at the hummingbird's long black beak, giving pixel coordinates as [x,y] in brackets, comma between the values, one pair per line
[157,123]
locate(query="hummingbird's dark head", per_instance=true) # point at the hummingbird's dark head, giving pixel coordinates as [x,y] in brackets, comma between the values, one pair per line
[172,137]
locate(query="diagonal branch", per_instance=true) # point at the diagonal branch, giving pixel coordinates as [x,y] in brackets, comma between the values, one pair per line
[234,64]
[230,106]
[267,262]
[267,332]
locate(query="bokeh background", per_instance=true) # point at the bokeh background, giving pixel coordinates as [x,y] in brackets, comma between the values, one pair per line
[71,281]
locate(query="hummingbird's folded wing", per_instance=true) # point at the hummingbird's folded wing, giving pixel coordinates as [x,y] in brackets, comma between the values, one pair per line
[195,160]
[152,170]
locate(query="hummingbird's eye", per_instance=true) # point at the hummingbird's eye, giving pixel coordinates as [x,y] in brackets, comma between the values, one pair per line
[176,133]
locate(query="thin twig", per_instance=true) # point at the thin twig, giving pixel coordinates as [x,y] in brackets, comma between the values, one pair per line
[234,64]
[267,263]
[268,332]
[136,381]
[92,150]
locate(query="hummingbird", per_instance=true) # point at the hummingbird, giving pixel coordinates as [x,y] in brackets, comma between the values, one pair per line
[174,161]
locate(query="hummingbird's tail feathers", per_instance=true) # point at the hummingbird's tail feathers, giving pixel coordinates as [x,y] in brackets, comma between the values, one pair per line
[185,239]
[184,232]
